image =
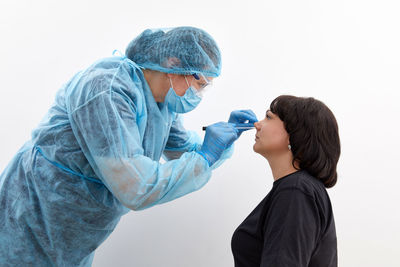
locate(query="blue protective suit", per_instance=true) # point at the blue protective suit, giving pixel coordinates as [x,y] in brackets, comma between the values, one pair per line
[94,157]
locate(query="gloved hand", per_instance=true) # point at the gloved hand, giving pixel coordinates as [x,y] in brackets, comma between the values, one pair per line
[240,118]
[219,136]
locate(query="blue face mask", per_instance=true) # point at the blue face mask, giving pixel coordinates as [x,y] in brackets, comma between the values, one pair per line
[182,104]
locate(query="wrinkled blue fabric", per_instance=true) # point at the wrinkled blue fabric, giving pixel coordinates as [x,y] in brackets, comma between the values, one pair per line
[180,50]
[182,104]
[94,157]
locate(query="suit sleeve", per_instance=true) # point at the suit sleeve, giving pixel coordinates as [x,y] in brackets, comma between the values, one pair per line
[107,131]
[180,141]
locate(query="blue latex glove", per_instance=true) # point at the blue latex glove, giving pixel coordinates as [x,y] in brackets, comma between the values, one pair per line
[243,118]
[219,136]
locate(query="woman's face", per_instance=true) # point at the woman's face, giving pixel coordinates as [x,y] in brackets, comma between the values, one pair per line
[271,136]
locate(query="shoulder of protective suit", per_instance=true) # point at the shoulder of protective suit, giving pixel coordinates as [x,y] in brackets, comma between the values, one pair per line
[114,75]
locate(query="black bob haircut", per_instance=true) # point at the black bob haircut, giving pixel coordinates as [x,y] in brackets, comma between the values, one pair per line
[313,135]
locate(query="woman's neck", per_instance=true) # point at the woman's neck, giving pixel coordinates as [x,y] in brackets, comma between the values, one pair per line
[282,165]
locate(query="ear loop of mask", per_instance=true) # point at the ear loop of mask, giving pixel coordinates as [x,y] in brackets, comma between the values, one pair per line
[186,81]
[170,82]
[199,94]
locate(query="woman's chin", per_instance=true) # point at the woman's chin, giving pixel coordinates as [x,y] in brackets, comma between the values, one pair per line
[255,147]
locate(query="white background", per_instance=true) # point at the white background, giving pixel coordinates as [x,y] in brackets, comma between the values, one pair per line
[343,52]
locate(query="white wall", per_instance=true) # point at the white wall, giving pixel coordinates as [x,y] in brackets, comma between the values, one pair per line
[343,52]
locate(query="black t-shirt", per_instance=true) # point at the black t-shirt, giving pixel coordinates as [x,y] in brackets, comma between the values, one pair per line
[292,226]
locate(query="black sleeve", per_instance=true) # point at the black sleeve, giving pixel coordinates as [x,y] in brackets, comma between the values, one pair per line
[291,229]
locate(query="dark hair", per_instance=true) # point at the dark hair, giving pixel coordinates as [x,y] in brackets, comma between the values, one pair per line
[313,135]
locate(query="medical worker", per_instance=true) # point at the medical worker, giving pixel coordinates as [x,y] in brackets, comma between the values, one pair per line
[95,155]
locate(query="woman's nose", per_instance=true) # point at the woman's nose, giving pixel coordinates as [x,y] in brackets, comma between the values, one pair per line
[257,125]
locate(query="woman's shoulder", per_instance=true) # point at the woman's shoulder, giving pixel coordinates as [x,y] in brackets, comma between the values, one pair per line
[302,181]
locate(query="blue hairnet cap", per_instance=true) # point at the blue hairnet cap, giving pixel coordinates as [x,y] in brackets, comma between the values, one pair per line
[181,50]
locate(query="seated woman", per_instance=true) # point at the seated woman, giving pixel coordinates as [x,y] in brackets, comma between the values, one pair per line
[293,225]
